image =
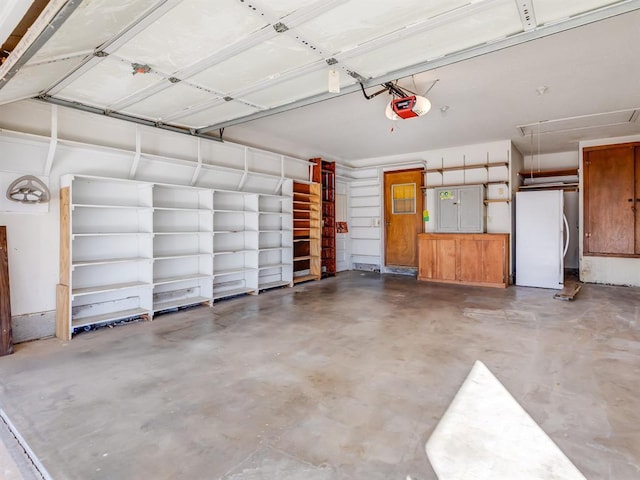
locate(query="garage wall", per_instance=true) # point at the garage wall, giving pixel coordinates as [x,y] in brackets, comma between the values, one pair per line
[93,145]
[366,194]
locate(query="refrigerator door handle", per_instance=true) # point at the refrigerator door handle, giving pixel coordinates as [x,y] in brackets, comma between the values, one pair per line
[568,234]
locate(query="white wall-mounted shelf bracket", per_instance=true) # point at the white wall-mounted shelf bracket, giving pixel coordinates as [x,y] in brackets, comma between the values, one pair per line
[53,144]
[136,157]
[243,179]
[196,172]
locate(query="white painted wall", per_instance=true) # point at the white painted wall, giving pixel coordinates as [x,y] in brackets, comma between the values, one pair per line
[610,270]
[366,191]
[107,149]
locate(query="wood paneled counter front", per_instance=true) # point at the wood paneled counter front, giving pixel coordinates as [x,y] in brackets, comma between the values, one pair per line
[465,258]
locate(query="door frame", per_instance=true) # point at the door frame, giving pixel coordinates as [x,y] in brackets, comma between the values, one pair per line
[383,195]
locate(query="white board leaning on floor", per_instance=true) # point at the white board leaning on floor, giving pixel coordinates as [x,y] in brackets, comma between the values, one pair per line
[486,435]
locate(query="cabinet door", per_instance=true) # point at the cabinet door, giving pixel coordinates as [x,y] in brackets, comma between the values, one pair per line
[609,208]
[494,260]
[471,206]
[427,263]
[446,268]
[471,260]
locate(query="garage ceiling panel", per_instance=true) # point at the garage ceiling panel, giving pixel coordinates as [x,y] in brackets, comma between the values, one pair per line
[181,96]
[547,11]
[92,24]
[268,59]
[31,81]
[358,21]
[190,32]
[282,8]
[106,83]
[499,20]
[307,85]
[217,114]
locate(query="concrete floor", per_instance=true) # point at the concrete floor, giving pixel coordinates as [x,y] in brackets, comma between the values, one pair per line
[340,379]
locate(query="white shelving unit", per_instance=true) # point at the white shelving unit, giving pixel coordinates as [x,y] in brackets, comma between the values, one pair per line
[182,248]
[235,243]
[108,264]
[275,241]
[130,249]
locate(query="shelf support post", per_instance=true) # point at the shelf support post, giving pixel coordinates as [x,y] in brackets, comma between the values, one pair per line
[136,157]
[53,144]
[196,172]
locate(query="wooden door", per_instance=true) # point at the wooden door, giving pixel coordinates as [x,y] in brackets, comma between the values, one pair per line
[403,203]
[610,201]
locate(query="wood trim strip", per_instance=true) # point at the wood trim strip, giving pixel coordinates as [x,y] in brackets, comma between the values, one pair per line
[6,336]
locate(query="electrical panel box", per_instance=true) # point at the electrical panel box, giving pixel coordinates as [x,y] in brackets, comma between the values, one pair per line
[460,209]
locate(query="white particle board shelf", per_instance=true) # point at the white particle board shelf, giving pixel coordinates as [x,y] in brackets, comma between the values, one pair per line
[180,278]
[108,261]
[269,266]
[232,292]
[275,284]
[231,271]
[108,317]
[184,302]
[112,234]
[76,292]
[111,207]
[181,255]
[229,252]
[184,209]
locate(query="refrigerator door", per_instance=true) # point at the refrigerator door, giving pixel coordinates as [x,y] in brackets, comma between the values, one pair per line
[539,239]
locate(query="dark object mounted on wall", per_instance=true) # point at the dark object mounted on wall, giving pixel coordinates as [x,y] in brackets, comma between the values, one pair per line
[28,189]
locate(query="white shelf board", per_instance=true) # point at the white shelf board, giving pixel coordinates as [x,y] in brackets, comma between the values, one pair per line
[76,292]
[231,271]
[273,265]
[183,233]
[279,283]
[232,292]
[229,252]
[113,207]
[180,278]
[181,255]
[267,249]
[108,317]
[107,261]
[158,307]
[183,209]
[226,210]
[281,214]
[274,231]
[111,234]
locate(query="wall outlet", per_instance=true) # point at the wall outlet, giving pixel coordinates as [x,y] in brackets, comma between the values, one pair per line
[376,222]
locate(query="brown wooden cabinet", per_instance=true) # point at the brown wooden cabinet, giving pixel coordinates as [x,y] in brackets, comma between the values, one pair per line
[612,200]
[471,259]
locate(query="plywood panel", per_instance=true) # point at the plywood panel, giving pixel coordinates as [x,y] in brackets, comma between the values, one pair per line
[63,328]
[6,337]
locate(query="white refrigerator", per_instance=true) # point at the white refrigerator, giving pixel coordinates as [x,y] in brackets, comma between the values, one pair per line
[541,242]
